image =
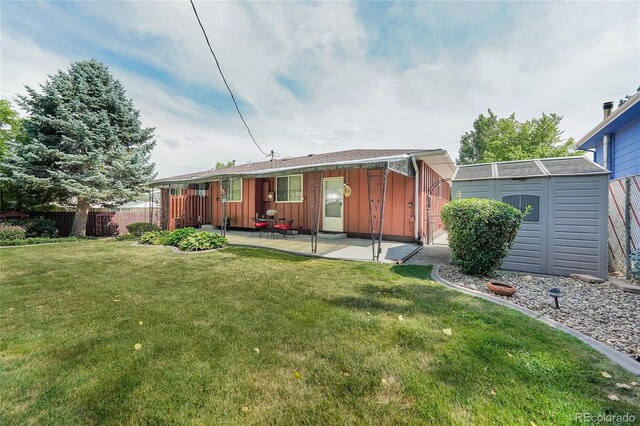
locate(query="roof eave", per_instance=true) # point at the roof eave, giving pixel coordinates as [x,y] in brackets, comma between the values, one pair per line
[590,140]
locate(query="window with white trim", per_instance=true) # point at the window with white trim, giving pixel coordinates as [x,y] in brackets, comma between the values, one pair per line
[231,190]
[289,189]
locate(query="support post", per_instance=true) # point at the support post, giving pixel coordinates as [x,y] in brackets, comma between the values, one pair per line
[627,228]
[384,193]
[314,237]
[373,245]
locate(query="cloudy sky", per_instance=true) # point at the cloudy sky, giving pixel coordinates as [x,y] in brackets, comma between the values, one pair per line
[319,77]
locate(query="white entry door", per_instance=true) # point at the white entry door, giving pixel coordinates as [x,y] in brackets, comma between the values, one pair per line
[332,206]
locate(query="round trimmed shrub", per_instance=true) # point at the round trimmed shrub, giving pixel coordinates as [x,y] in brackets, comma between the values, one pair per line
[481,232]
[139,228]
[202,241]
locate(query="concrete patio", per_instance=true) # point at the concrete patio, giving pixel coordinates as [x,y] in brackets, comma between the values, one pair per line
[333,248]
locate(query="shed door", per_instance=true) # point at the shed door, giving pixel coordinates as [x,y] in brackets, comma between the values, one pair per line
[332,206]
[528,252]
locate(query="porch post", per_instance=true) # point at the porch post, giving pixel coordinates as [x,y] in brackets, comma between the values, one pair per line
[373,250]
[384,193]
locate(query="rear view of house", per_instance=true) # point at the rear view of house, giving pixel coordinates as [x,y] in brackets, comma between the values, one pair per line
[351,192]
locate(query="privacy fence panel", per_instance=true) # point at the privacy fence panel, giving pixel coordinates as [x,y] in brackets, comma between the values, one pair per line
[624,222]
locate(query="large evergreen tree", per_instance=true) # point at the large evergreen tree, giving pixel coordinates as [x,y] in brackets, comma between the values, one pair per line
[86,142]
[507,139]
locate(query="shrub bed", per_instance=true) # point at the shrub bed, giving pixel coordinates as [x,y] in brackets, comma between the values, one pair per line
[154,237]
[12,232]
[202,241]
[36,227]
[41,240]
[174,238]
[186,239]
[481,232]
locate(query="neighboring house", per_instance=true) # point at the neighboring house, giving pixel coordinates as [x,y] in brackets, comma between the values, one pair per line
[565,230]
[332,190]
[615,142]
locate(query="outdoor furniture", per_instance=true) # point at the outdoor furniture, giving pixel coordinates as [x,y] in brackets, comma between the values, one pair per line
[285,226]
[260,225]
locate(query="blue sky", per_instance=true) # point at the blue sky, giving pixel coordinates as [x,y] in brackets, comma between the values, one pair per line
[317,77]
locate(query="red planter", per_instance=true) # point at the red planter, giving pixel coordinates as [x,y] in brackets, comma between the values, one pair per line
[501,288]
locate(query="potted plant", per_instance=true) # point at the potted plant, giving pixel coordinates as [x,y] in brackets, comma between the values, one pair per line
[272,212]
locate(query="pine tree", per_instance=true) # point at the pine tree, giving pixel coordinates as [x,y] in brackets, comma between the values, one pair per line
[86,141]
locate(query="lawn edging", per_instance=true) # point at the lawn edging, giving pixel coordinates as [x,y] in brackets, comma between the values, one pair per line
[615,356]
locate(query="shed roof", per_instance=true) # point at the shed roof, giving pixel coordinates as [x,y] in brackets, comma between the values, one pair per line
[340,159]
[544,167]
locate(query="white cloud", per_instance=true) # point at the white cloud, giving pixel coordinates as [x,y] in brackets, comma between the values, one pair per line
[559,58]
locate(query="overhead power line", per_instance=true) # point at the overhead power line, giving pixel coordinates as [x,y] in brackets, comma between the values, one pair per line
[224,79]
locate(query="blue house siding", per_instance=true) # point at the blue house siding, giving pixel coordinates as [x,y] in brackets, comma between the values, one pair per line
[624,154]
[626,150]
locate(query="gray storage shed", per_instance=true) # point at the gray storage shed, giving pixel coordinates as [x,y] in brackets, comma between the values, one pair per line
[566,229]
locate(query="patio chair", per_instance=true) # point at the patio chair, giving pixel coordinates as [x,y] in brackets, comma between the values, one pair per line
[260,226]
[285,226]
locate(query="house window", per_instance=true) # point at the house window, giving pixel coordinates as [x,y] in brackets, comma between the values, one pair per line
[289,189]
[177,189]
[521,202]
[231,190]
[202,189]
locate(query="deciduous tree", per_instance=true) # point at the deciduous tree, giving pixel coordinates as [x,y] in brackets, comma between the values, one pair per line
[507,139]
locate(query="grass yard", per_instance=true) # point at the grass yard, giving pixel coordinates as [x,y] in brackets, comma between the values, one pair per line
[254,336]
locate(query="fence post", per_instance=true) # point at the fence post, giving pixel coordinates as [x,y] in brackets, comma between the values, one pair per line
[627,227]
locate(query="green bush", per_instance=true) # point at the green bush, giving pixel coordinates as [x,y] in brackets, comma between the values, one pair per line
[36,227]
[481,232]
[12,232]
[139,228]
[40,227]
[202,241]
[157,238]
[635,265]
[176,236]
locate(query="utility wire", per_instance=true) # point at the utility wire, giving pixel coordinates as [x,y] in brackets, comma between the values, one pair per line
[224,79]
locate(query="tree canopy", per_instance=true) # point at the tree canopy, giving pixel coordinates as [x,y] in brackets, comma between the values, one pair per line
[626,98]
[222,165]
[507,139]
[86,143]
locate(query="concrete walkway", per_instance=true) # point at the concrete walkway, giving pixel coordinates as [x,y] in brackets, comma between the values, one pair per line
[332,248]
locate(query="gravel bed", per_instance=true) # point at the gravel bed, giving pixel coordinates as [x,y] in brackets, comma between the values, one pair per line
[600,311]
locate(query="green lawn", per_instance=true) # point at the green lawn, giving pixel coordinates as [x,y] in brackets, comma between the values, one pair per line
[254,336]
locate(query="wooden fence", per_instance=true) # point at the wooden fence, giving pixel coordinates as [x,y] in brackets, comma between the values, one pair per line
[187,210]
[98,222]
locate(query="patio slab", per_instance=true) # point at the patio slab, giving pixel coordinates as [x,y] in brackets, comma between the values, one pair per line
[333,248]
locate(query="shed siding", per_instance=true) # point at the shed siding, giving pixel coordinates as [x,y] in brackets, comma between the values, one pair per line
[626,150]
[577,225]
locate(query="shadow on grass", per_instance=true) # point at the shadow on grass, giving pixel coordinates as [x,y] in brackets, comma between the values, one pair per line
[267,253]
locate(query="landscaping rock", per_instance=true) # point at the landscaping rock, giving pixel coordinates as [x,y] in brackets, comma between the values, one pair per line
[587,278]
[600,311]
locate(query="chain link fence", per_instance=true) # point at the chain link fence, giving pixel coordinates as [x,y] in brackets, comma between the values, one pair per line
[624,223]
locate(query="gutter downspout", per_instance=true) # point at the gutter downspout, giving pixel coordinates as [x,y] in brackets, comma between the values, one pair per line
[416,210]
